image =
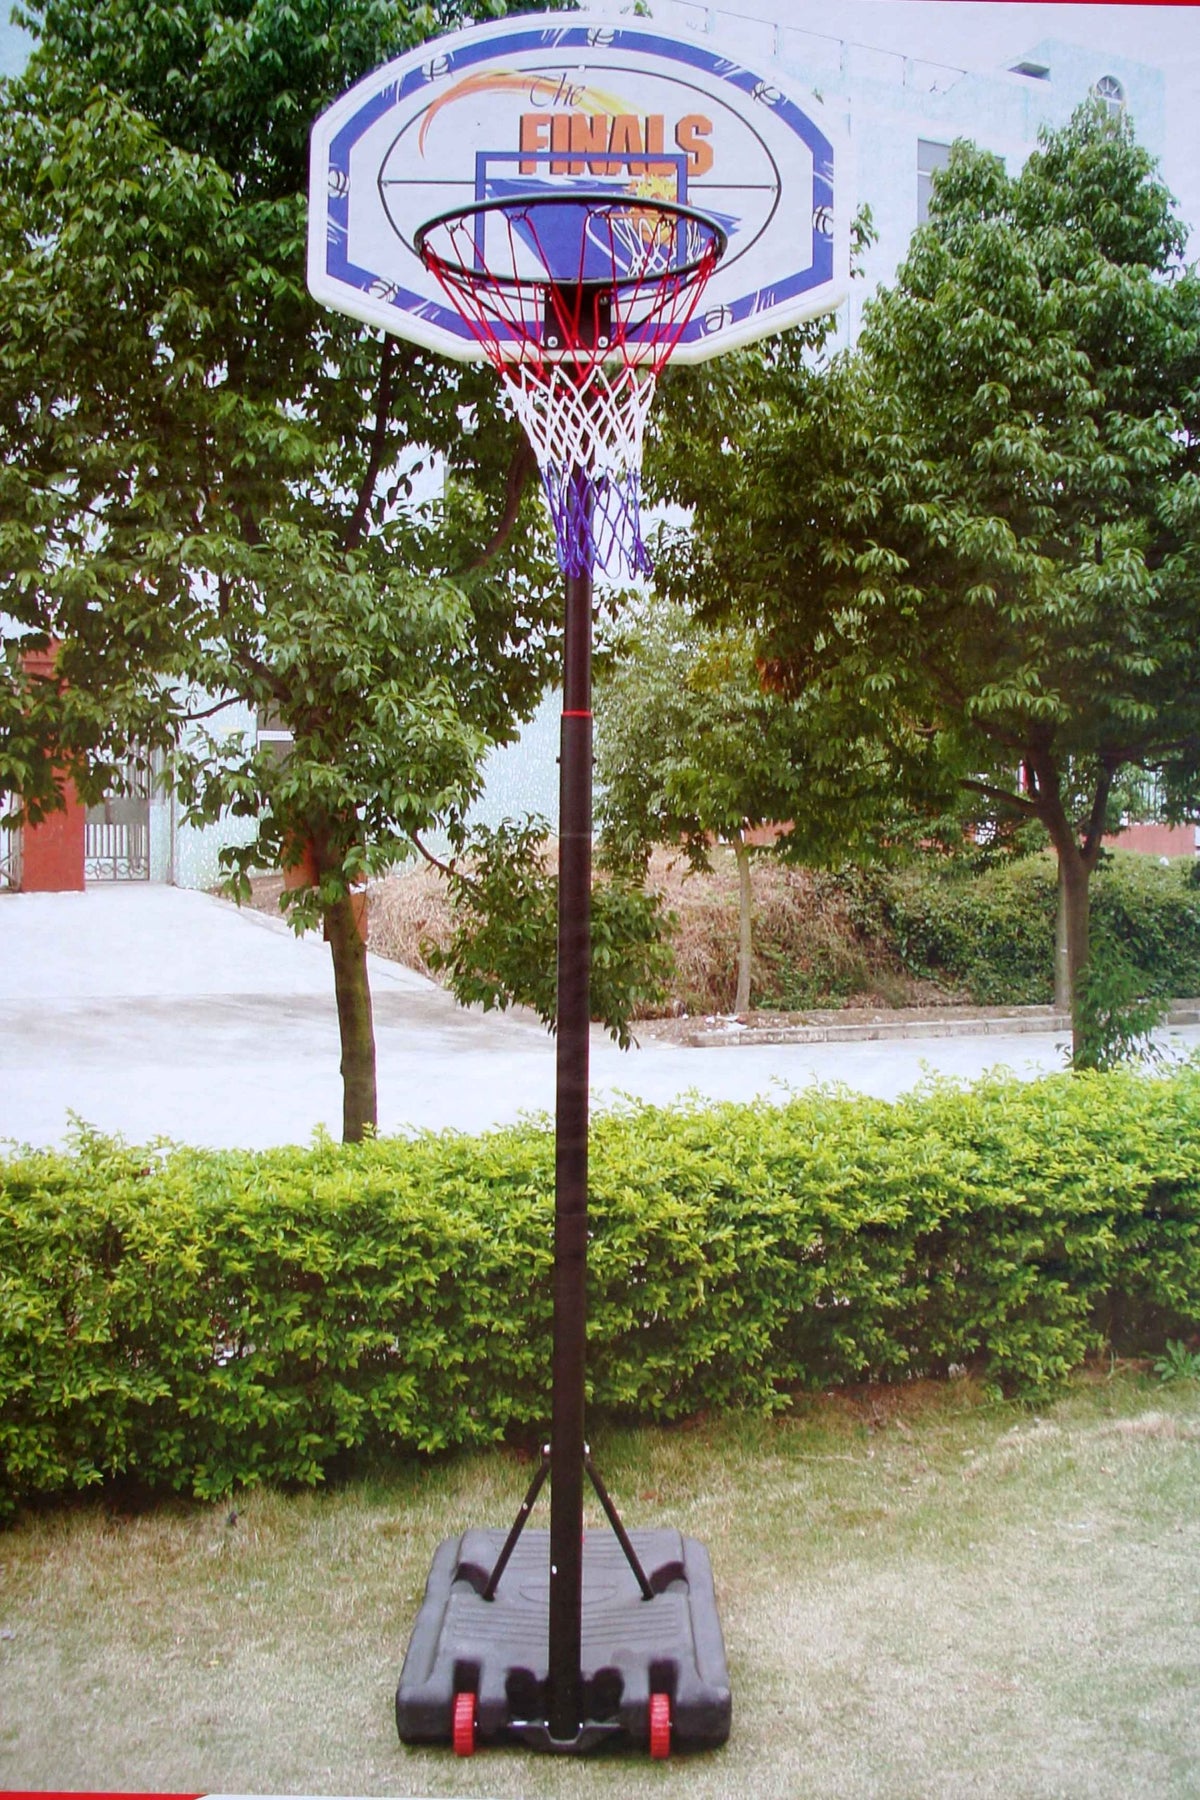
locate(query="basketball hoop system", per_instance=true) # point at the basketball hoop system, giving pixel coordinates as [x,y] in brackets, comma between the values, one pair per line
[611,197]
[578,299]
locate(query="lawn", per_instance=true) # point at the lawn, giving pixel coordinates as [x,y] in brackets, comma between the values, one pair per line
[923,1594]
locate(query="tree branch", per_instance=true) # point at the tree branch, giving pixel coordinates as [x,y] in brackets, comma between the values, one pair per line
[254,665]
[522,466]
[190,718]
[1094,835]
[450,870]
[353,534]
[1017,801]
[1152,755]
[1044,778]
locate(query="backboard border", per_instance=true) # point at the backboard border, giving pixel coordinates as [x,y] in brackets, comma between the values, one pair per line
[347,287]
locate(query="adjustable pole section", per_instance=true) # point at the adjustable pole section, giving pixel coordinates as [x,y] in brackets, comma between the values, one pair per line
[571,1164]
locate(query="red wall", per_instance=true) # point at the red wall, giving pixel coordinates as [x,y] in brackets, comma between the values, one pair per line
[1155,840]
[52,852]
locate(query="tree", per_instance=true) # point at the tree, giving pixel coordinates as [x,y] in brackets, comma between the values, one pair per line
[987,519]
[208,485]
[692,749]
[503,949]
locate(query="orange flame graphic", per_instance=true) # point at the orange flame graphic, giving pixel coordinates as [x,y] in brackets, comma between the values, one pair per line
[587,99]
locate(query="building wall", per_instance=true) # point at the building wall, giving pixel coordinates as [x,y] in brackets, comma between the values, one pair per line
[52,852]
[887,104]
[1157,840]
[198,851]
[523,777]
[189,855]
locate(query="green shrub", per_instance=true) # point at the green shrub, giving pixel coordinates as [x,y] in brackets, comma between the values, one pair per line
[994,932]
[501,950]
[1115,1020]
[1152,911]
[196,1320]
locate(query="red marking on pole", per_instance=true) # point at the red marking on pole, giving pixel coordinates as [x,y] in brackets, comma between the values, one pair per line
[580,713]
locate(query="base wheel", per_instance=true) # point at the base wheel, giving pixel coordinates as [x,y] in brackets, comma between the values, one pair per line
[463,1732]
[660,1725]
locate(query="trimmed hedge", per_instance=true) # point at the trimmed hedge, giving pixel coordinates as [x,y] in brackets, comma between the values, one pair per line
[994,932]
[196,1320]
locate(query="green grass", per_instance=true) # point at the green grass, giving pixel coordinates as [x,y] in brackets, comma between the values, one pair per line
[923,1594]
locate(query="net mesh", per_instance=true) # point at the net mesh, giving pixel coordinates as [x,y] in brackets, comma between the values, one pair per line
[588,437]
[578,301]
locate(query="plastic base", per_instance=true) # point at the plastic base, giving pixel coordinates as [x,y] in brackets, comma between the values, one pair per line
[632,1648]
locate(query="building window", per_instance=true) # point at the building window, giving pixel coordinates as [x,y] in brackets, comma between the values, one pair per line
[930,156]
[272,734]
[1035,71]
[1109,90]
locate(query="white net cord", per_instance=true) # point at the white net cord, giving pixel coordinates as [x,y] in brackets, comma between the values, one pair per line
[587,428]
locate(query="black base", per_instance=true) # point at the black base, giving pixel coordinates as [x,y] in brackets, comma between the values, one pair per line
[632,1647]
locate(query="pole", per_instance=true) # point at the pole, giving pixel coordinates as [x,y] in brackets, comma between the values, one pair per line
[571,1164]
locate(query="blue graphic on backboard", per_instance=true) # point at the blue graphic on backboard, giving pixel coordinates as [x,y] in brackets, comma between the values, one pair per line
[567,242]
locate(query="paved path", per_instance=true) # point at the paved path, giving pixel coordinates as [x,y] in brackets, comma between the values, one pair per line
[153,1011]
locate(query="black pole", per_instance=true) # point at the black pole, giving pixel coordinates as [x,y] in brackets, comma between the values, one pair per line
[571,1163]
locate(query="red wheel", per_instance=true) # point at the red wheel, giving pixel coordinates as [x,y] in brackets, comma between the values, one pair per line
[660,1725]
[464,1725]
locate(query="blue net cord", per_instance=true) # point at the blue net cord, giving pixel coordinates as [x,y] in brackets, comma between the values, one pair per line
[597,521]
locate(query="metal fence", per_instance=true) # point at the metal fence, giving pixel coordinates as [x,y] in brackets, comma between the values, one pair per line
[116,849]
[10,857]
[116,841]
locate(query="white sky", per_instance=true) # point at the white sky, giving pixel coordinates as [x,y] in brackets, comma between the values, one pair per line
[983,34]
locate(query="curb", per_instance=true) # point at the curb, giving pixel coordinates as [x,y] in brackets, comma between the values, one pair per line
[1015,1021]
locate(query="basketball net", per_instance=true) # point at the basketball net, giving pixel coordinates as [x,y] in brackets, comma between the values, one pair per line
[578,300]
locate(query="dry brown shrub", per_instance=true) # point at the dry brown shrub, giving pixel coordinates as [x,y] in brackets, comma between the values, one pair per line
[407,911]
[1153,1425]
[266,892]
[807,952]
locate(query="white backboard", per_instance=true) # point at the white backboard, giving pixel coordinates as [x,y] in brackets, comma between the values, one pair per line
[567,103]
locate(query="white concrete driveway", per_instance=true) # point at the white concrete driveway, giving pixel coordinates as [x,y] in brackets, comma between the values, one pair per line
[152,1011]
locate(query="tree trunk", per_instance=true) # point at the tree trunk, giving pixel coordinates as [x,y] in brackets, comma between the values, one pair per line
[1074,877]
[1075,864]
[1062,972]
[741,851]
[353,991]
